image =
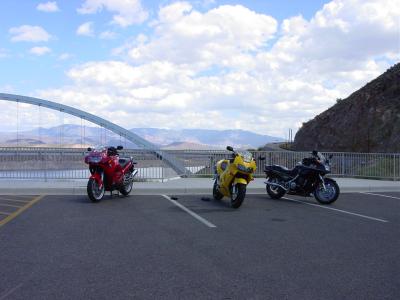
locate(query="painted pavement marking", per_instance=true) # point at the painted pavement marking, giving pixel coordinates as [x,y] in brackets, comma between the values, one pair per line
[14,214]
[379,195]
[338,210]
[193,214]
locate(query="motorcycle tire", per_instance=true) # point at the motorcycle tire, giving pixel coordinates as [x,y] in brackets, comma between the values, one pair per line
[95,194]
[237,197]
[126,189]
[275,192]
[330,195]
[216,193]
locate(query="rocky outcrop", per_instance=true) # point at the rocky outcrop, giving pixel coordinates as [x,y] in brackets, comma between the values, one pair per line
[367,121]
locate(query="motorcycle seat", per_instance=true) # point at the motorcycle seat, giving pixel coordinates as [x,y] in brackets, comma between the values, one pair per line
[279,169]
[124,161]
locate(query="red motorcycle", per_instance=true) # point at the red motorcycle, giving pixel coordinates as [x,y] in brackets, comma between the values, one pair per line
[109,172]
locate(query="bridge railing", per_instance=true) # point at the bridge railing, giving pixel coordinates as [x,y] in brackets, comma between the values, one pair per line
[55,163]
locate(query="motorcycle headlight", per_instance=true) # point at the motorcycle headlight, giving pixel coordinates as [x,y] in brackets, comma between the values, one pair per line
[244,169]
[94,159]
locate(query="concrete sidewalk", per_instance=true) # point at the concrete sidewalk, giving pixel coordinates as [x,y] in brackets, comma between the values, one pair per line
[173,187]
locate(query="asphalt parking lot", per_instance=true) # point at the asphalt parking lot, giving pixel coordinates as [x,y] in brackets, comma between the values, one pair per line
[147,247]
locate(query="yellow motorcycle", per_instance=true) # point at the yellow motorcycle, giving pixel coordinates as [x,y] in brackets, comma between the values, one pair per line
[233,175]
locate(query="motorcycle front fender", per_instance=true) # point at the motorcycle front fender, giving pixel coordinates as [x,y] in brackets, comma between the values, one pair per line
[98,177]
[239,180]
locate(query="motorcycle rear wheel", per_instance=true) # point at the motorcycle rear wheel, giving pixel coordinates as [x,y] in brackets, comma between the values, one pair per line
[94,192]
[329,195]
[238,194]
[127,188]
[275,192]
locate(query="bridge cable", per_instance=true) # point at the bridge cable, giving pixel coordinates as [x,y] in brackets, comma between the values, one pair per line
[17,123]
[39,125]
[81,132]
[105,136]
[84,130]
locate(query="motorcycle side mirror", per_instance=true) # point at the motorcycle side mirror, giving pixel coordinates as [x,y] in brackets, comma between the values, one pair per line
[89,149]
[229,148]
[120,147]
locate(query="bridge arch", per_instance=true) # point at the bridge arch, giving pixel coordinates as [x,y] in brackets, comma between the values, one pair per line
[174,163]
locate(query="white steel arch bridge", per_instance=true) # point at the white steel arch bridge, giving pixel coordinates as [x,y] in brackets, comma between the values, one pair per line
[173,162]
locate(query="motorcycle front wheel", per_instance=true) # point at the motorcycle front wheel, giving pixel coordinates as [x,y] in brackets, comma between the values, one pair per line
[95,193]
[216,193]
[328,195]
[238,194]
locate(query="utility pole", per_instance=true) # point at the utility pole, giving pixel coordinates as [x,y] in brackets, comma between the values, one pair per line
[290,138]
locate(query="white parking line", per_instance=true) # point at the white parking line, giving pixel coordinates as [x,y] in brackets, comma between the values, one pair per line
[10,205]
[379,195]
[338,210]
[193,214]
[12,200]
[9,292]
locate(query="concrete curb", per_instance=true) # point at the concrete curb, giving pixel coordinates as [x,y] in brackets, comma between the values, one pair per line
[174,187]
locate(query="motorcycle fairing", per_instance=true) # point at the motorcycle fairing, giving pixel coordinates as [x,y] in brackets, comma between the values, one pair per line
[222,165]
[228,173]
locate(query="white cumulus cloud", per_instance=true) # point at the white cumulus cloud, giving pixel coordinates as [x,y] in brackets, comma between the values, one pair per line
[127,12]
[233,67]
[184,35]
[64,56]
[39,51]
[28,33]
[85,29]
[50,6]
[107,35]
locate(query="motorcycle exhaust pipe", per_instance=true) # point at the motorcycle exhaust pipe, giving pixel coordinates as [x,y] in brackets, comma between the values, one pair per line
[276,184]
[127,179]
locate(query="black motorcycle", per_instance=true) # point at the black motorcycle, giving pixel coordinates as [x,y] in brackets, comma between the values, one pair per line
[305,179]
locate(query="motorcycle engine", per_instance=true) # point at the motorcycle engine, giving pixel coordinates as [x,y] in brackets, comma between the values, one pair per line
[300,181]
[293,185]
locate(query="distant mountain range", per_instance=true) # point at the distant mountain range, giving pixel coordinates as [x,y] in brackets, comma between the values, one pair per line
[69,135]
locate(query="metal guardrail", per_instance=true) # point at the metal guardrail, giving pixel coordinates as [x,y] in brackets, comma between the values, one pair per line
[55,163]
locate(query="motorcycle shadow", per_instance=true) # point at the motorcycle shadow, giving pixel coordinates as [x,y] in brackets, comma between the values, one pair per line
[106,199]
[215,205]
[294,201]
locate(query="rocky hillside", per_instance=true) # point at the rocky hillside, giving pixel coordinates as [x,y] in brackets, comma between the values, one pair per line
[367,121]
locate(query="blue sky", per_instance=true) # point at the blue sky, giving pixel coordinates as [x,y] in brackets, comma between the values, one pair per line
[197,64]
[26,73]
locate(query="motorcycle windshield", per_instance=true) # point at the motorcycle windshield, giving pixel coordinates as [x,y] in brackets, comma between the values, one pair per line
[99,148]
[247,156]
[321,157]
